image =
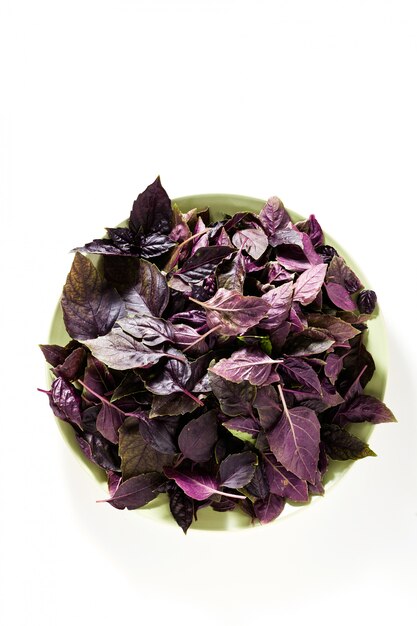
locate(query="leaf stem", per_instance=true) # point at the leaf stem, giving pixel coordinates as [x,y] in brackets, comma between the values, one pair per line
[175,255]
[105,401]
[190,395]
[212,330]
[284,404]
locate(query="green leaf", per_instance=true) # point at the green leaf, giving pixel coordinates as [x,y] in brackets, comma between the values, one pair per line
[341,445]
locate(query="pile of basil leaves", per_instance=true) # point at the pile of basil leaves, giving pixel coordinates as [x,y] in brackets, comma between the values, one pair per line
[220,362]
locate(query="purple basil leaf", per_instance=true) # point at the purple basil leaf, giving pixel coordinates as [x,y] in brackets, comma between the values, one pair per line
[309,251]
[136,491]
[109,420]
[65,401]
[202,241]
[366,408]
[338,329]
[308,342]
[269,509]
[276,273]
[279,335]
[232,313]
[97,378]
[148,292]
[223,238]
[274,218]
[313,230]
[279,301]
[180,231]
[302,372]
[252,240]
[114,481]
[295,440]
[333,367]
[173,378]
[293,258]
[172,404]
[288,237]
[268,407]
[99,451]
[137,455]
[90,306]
[124,240]
[160,433]
[197,438]
[194,318]
[366,301]
[341,274]
[283,482]
[195,485]
[120,351]
[181,507]
[203,263]
[152,331]
[243,428]
[231,273]
[155,245]
[258,486]
[340,296]
[105,247]
[184,336]
[342,445]
[237,470]
[235,399]
[73,366]
[152,211]
[56,355]
[297,318]
[308,285]
[247,364]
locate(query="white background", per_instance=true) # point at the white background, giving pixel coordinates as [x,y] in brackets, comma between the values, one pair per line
[313,101]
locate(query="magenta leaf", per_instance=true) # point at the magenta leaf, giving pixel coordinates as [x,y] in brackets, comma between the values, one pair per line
[90,306]
[233,314]
[109,420]
[274,218]
[248,364]
[308,285]
[152,331]
[65,401]
[231,273]
[340,296]
[295,440]
[196,485]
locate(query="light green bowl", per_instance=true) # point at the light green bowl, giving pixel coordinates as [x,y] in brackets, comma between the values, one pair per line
[376,342]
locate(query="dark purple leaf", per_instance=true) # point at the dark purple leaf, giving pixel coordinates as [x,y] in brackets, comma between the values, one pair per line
[301,372]
[152,211]
[180,230]
[308,342]
[243,428]
[247,364]
[73,366]
[333,367]
[252,240]
[136,492]
[109,420]
[283,482]
[276,273]
[342,445]
[90,306]
[308,285]
[156,245]
[364,408]
[237,470]
[274,218]
[269,509]
[197,438]
[120,351]
[172,404]
[341,274]
[160,433]
[268,407]
[313,230]
[137,455]
[223,238]
[235,399]
[184,336]
[56,355]
[65,401]
[339,296]
[232,313]
[148,293]
[173,378]
[279,301]
[231,273]
[202,241]
[194,318]
[295,440]
[99,451]
[297,318]
[367,301]
[181,507]
[97,378]
[203,263]
[114,480]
